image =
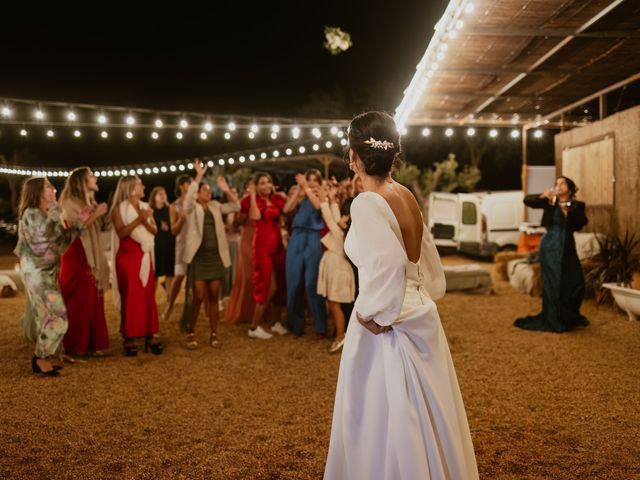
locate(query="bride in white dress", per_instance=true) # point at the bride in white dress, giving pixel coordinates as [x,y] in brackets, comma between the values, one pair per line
[398,412]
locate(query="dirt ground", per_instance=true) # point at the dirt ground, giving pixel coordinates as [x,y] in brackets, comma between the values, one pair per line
[540,405]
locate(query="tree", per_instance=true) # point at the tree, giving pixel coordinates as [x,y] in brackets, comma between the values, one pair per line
[442,177]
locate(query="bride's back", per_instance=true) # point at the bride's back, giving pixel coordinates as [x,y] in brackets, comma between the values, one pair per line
[407,212]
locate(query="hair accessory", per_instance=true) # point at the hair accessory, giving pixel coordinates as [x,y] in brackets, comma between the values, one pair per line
[378,143]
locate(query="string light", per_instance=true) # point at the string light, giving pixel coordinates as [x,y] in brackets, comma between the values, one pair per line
[426,132]
[343,142]
[130,120]
[154,135]
[334,130]
[275,128]
[276,153]
[241,158]
[104,134]
[184,123]
[77,133]
[50,133]
[231,161]
[448,132]
[179,135]
[328,144]
[274,135]
[251,135]
[254,128]
[295,132]
[493,133]
[316,132]
[129,135]
[288,151]
[6,112]
[231,126]
[227,135]
[203,136]
[263,155]
[158,123]
[471,132]
[316,147]
[252,157]
[102,119]
[515,133]
[71,116]
[208,126]
[23,132]
[302,149]
[537,133]
[39,114]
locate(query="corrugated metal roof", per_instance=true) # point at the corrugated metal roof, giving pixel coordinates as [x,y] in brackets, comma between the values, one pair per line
[515,61]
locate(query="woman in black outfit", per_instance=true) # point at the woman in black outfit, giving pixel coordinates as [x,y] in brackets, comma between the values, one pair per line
[165,244]
[562,277]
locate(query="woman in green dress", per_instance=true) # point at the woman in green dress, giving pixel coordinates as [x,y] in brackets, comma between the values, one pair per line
[42,239]
[560,269]
[206,252]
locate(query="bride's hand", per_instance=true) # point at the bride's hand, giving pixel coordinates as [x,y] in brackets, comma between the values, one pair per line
[372,326]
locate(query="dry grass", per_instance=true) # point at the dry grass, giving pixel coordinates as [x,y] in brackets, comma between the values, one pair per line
[540,406]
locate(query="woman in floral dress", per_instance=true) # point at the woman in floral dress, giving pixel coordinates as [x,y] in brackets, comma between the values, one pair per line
[41,241]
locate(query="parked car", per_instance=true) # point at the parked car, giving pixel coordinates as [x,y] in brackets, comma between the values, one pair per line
[479,224]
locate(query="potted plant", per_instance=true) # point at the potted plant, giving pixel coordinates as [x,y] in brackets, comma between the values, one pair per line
[610,272]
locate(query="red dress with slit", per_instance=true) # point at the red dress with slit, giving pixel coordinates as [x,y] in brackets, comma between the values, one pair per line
[268,250]
[87,330]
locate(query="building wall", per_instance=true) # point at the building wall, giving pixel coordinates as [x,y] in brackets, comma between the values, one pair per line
[624,127]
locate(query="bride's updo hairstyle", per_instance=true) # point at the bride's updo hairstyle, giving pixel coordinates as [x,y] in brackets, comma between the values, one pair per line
[374,137]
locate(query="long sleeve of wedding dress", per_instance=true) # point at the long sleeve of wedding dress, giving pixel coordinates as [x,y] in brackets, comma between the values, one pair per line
[398,413]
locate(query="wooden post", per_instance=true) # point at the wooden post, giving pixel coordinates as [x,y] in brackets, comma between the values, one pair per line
[524,168]
[603,106]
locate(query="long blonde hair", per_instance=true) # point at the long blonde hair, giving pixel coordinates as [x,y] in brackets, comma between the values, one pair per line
[123,190]
[75,187]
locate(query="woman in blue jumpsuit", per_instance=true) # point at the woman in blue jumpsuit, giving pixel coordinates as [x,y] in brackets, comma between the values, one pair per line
[304,252]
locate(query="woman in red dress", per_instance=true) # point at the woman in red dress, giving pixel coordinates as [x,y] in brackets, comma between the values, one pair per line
[241,304]
[264,207]
[132,247]
[84,271]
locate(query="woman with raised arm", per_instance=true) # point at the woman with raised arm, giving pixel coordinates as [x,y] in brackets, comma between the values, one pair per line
[562,277]
[264,207]
[132,277]
[84,271]
[304,252]
[398,411]
[206,251]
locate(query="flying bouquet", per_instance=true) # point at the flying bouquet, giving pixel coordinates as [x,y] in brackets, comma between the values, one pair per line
[337,40]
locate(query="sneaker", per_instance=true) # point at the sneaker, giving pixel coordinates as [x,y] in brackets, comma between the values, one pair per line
[336,345]
[260,333]
[279,329]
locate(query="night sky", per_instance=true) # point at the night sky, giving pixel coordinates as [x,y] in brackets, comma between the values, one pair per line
[266,60]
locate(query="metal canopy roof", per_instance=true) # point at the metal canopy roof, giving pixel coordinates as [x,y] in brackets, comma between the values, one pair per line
[498,62]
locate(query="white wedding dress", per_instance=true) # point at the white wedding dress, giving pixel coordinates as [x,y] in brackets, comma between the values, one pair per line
[398,412]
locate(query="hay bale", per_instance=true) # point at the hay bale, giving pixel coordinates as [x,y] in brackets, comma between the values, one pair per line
[536,287]
[502,260]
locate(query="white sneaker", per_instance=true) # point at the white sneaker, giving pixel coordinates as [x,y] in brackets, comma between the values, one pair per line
[279,329]
[259,333]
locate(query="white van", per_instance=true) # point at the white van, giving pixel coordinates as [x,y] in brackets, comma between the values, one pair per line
[479,223]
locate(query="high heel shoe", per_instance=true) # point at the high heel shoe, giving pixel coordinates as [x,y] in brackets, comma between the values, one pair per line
[156,348]
[36,368]
[130,350]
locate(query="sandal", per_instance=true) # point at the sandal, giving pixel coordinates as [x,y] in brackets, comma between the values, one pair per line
[213,340]
[191,341]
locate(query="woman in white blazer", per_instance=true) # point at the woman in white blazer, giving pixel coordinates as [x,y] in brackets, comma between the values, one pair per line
[206,251]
